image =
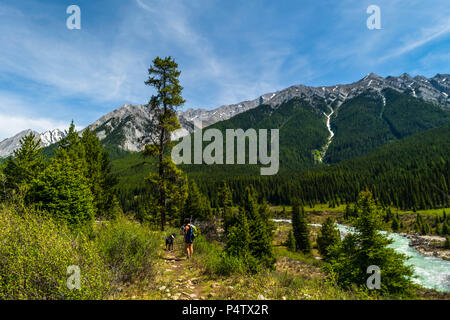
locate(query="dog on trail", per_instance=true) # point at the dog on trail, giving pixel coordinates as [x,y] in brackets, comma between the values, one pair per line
[169,242]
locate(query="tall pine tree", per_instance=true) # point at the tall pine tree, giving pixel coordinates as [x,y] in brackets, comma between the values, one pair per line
[300,227]
[164,77]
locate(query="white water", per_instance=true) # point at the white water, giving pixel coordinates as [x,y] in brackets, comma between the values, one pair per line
[431,272]
[330,137]
[383,98]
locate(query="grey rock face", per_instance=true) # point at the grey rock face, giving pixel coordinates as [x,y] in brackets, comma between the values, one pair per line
[129,125]
[9,145]
[434,90]
[51,137]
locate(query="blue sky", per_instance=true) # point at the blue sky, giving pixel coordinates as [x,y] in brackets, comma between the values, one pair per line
[228,51]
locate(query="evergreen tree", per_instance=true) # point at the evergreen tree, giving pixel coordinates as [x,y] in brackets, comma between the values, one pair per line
[367,247]
[421,226]
[25,164]
[348,212]
[445,228]
[226,205]
[261,229]
[88,152]
[197,206]
[300,228]
[239,238]
[98,172]
[164,77]
[253,243]
[388,214]
[328,236]
[63,191]
[290,243]
[395,224]
[225,198]
[3,182]
[70,146]
[436,225]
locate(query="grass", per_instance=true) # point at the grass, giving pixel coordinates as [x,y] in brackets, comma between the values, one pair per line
[316,208]
[298,256]
[323,207]
[36,252]
[129,248]
[430,212]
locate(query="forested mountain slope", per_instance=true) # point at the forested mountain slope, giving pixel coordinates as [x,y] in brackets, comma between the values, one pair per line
[378,117]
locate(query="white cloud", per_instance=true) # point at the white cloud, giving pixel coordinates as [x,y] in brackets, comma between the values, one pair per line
[16,116]
[415,41]
[74,65]
[231,79]
[84,65]
[11,125]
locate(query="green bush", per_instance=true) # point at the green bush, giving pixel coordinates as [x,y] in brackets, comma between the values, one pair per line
[63,191]
[129,248]
[215,261]
[35,252]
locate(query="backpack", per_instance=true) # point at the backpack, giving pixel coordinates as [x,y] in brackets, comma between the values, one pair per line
[192,232]
[195,231]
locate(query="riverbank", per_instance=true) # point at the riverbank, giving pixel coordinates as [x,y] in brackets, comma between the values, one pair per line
[431,272]
[430,246]
[427,245]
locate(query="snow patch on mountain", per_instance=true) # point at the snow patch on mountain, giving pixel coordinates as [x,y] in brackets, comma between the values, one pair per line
[128,126]
[9,145]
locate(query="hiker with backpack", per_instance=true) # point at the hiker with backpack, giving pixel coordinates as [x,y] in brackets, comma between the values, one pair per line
[190,232]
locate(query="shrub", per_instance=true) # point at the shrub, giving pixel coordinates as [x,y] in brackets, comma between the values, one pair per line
[129,248]
[35,252]
[215,261]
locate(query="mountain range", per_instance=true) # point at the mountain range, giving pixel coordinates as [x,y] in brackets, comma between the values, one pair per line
[127,126]
[47,138]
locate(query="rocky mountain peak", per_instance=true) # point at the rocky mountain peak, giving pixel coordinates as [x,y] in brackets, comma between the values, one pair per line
[128,125]
[9,145]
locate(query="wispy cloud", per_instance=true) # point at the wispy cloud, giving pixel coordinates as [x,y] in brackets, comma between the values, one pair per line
[419,39]
[228,52]
[245,75]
